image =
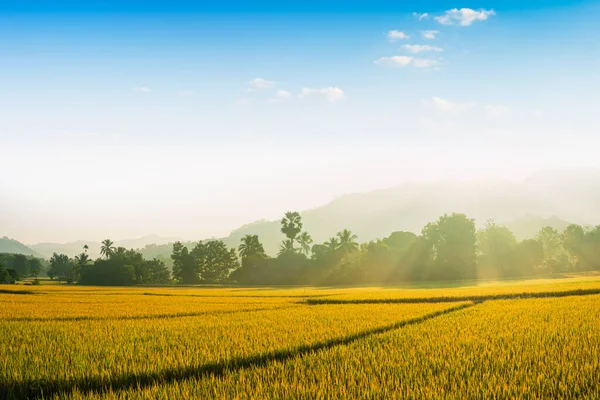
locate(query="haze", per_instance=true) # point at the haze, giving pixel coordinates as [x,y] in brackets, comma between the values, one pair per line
[191,123]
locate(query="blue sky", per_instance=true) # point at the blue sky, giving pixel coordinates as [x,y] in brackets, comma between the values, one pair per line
[286,105]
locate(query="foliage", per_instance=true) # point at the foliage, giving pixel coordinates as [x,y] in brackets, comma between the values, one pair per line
[61,267]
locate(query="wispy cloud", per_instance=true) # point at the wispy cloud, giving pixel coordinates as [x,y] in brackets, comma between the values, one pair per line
[397,35]
[429,34]
[421,48]
[331,94]
[405,61]
[448,106]
[142,89]
[261,84]
[421,16]
[281,95]
[464,16]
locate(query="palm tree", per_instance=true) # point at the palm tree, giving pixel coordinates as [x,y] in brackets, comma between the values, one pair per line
[286,247]
[291,225]
[85,248]
[250,247]
[80,261]
[332,245]
[348,241]
[107,248]
[304,240]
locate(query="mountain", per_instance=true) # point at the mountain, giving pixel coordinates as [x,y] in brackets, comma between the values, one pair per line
[73,248]
[549,198]
[529,226]
[12,246]
[554,198]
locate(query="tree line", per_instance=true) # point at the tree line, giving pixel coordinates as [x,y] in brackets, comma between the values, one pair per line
[14,267]
[451,248]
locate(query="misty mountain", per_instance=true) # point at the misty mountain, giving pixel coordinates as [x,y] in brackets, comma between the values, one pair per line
[73,248]
[554,198]
[8,245]
[550,198]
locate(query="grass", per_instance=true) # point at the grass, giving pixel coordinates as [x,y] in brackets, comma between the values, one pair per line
[463,342]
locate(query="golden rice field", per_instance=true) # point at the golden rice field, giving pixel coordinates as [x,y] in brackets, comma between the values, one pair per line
[535,339]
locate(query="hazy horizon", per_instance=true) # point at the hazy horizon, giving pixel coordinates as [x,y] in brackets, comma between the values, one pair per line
[188,120]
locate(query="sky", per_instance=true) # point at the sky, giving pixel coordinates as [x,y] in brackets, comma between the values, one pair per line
[126,118]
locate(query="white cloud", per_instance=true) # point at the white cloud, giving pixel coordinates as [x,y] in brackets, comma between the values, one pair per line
[425,63]
[495,110]
[405,61]
[244,102]
[331,94]
[420,16]
[429,34]
[260,84]
[395,61]
[421,48]
[448,106]
[397,35]
[281,95]
[143,89]
[464,16]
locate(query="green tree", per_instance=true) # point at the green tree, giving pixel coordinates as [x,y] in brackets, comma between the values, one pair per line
[304,240]
[251,249]
[152,272]
[497,247]
[185,269]
[80,261]
[452,245]
[291,226]
[61,267]
[4,275]
[216,261]
[21,265]
[332,245]
[35,266]
[107,248]
[556,258]
[347,241]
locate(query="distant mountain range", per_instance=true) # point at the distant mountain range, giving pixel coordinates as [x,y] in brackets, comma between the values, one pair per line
[554,198]
[73,248]
[8,245]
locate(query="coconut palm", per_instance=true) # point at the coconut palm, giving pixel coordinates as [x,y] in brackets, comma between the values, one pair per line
[286,247]
[107,248]
[250,247]
[304,240]
[332,245]
[348,241]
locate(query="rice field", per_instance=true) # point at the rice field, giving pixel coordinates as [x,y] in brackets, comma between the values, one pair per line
[535,339]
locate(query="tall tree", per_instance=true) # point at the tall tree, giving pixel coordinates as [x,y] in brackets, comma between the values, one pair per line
[348,241]
[304,240]
[185,269]
[291,226]
[80,261]
[216,261]
[556,258]
[107,249]
[251,248]
[452,244]
[35,266]
[332,245]
[61,267]
[497,246]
